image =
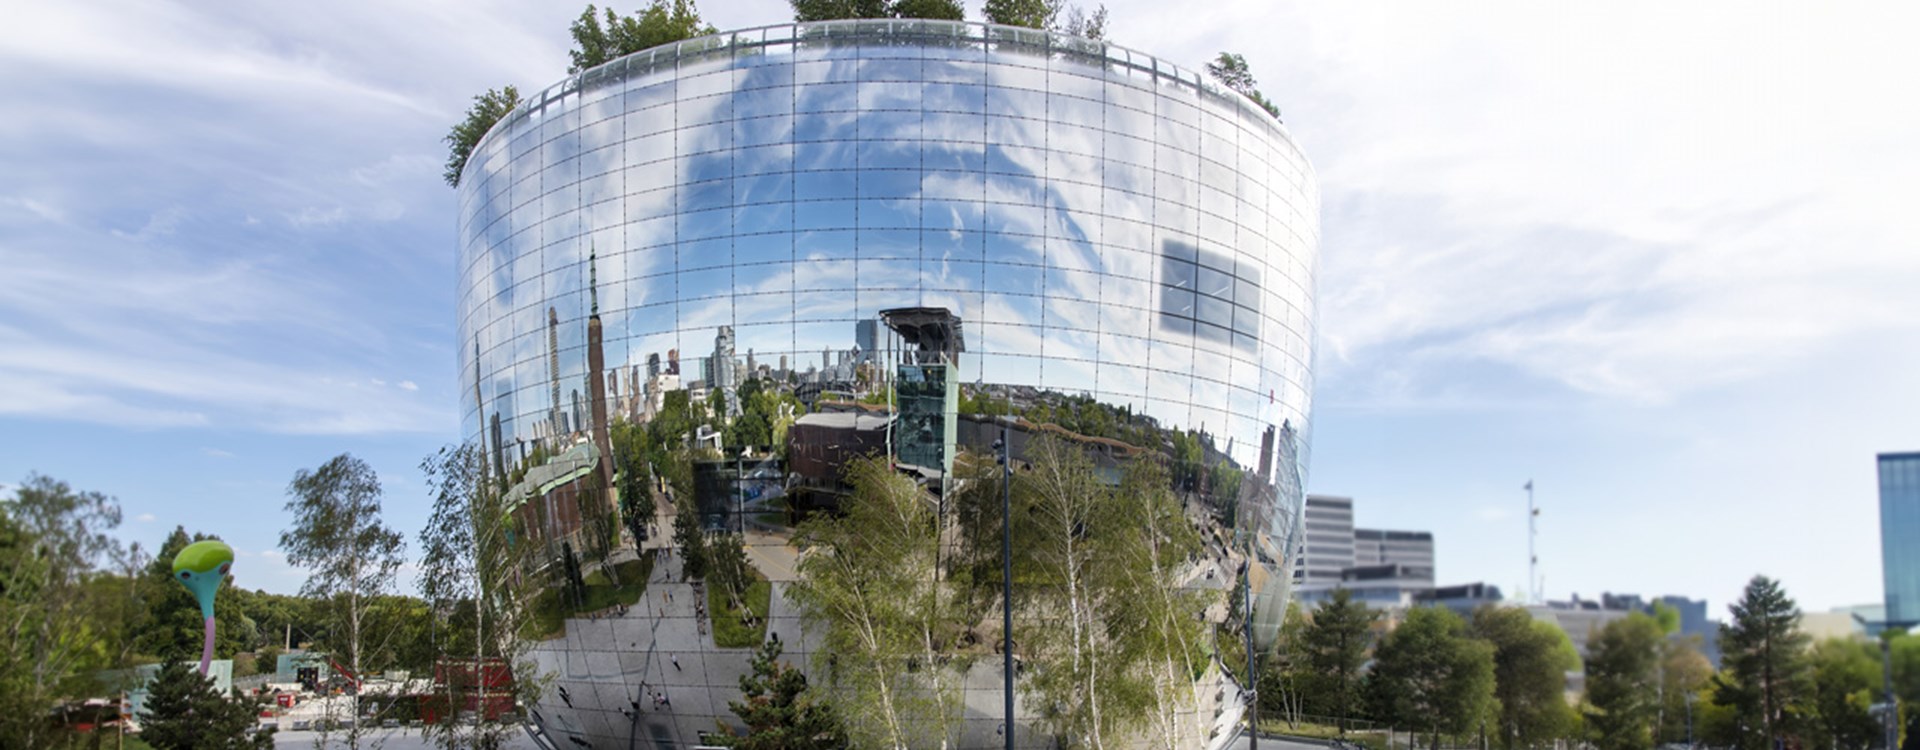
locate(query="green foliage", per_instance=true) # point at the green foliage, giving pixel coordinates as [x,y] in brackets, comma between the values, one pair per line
[827,10]
[1033,14]
[1763,655]
[184,712]
[743,626]
[780,712]
[689,539]
[868,584]
[1666,617]
[1333,649]
[52,542]
[1623,683]
[1429,675]
[1683,672]
[1078,22]
[729,570]
[487,110]
[660,23]
[1530,662]
[1845,680]
[1232,72]
[351,555]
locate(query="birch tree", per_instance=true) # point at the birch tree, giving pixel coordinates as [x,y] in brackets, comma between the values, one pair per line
[867,577]
[351,555]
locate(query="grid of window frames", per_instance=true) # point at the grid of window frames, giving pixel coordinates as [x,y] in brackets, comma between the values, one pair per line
[1103,224]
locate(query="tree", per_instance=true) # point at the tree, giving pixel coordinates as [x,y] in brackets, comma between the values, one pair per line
[53,539]
[1033,14]
[690,539]
[868,584]
[469,564]
[660,23]
[1150,625]
[1283,684]
[780,712]
[350,554]
[1078,22]
[1623,683]
[1683,672]
[1232,72]
[1428,674]
[828,10]
[1763,655]
[487,110]
[1531,659]
[184,712]
[1334,648]
[1844,682]
[729,569]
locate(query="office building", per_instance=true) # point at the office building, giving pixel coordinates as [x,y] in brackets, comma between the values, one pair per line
[1121,239]
[1327,527]
[1900,535]
[1412,551]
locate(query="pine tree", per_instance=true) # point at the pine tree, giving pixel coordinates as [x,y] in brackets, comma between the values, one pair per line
[1334,647]
[779,711]
[1763,661]
[184,712]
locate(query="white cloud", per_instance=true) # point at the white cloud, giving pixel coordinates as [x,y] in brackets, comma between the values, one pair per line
[1634,200]
[408,385]
[145,518]
[216,453]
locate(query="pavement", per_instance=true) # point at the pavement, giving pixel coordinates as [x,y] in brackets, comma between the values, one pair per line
[1275,743]
[387,739]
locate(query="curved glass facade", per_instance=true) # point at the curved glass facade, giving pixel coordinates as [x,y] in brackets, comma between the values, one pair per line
[1107,246]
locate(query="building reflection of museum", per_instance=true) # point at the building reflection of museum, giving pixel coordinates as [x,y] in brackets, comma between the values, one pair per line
[893,392]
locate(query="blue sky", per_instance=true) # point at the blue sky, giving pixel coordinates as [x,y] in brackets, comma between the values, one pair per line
[1656,258]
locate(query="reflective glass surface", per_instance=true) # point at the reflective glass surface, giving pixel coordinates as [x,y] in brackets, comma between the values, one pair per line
[1110,234]
[1899,527]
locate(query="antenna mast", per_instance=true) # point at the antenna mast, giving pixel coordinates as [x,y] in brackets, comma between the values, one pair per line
[1533,559]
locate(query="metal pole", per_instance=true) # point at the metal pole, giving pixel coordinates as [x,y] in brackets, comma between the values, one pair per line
[1890,718]
[1253,680]
[1006,569]
[1533,560]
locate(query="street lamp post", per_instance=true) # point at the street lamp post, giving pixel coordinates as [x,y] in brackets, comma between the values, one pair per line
[1005,448]
[1889,709]
[1253,678]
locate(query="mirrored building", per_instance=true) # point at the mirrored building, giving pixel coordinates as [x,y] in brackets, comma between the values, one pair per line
[751,259]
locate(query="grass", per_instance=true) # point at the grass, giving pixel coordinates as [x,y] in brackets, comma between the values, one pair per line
[550,610]
[1371,740]
[728,630]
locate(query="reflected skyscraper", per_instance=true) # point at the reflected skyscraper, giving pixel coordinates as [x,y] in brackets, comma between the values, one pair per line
[1129,249]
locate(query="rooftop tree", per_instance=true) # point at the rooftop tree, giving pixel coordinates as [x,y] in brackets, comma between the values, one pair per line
[1232,72]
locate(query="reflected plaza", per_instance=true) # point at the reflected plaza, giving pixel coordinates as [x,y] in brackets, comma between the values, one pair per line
[792,247]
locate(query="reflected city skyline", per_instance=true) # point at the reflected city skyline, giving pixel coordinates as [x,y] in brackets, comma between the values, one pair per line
[737,244]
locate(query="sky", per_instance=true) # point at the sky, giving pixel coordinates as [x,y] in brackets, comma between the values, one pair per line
[1653,257]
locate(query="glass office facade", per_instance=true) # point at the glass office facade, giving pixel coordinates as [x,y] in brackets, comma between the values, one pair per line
[1126,252]
[1900,535]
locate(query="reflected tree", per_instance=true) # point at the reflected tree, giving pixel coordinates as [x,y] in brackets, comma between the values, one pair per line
[868,577]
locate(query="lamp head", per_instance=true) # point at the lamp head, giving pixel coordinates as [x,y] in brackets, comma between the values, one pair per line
[200,567]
